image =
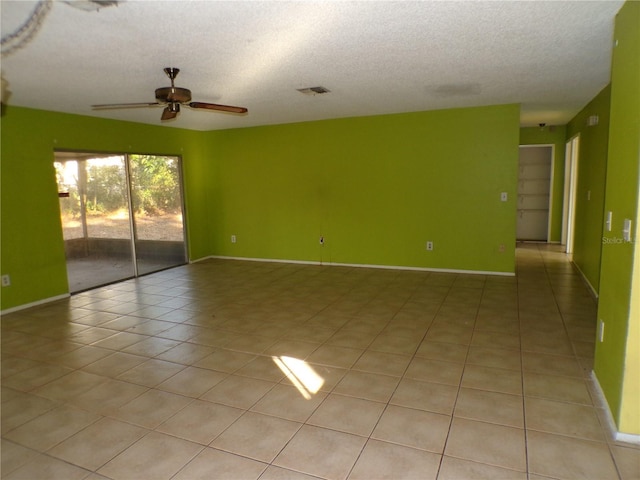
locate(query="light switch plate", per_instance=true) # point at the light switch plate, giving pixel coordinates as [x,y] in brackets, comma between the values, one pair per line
[626,230]
[608,220]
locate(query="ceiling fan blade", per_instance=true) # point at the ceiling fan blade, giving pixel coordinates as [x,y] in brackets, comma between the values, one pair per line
[107,106]
[220,108]
[168,113]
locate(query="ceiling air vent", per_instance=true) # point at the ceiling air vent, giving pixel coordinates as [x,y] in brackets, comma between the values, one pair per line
[314,90]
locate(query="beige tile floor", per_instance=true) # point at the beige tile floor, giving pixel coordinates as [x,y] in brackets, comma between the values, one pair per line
[406,375]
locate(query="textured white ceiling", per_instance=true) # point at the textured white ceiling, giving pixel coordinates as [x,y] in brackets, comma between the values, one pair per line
[376,57]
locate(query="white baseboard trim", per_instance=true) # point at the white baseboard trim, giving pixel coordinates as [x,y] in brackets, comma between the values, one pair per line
[631,438]
[363,265]
[269,260]
[201,259]
[35,304]
[586,280]
[628,438]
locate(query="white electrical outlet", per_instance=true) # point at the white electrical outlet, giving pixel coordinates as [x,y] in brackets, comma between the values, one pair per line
[429,245]
[6,280]
[233,239]
[504,196]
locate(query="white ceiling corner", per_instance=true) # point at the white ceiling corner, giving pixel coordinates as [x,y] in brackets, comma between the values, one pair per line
[375,57]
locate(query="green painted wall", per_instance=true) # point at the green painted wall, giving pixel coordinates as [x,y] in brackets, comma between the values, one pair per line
[377,188]
[551,135]
[617,357]
[592,171]
[630,403]
[31,238]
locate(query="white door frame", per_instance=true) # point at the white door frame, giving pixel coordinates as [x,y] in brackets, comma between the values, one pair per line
[572,155]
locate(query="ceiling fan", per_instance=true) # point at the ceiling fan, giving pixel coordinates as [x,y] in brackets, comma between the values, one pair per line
[172,97]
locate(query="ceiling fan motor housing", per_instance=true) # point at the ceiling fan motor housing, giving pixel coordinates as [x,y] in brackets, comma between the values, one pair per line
[173,94]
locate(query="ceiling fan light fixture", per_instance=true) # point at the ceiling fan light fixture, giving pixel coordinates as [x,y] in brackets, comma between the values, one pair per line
[170,111]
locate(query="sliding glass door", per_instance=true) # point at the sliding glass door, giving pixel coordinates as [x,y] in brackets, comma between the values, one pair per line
[122,216]
[156,198]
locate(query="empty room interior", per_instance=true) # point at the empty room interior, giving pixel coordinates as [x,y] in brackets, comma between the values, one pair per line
[320,240]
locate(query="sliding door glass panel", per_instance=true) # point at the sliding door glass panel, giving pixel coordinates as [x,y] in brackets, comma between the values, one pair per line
[94,208]
[156,201]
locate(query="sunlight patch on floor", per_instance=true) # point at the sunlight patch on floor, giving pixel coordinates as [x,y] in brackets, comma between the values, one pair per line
[301,374]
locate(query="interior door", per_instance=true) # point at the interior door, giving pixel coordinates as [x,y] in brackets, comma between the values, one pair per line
[534,187]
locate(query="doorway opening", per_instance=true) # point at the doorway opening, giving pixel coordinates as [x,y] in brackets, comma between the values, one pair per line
[535,181]
[122,215]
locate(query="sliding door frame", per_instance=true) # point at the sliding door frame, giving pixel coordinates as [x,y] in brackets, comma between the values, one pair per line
[132,223]
[130,203]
